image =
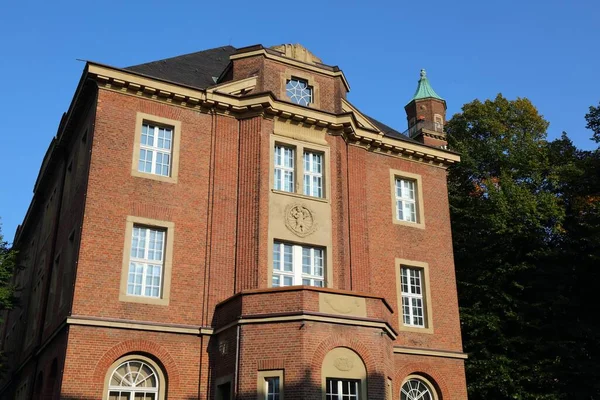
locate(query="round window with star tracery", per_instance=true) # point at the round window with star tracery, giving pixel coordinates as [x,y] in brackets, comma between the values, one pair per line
[416,389]
[299,92]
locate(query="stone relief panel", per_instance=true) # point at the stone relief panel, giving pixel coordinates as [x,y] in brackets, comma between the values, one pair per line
[300,220]
[340,304]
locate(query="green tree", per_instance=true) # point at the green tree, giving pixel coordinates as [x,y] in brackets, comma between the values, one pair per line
[8,258]
[593,122]
[572,328]
[505,216]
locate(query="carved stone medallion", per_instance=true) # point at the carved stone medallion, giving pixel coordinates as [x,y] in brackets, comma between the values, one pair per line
[343,363]
[300,220]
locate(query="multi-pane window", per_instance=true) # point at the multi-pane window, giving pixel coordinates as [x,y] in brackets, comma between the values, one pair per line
[313,174]
[272,388]
[298,265]
[299,92]
[133,380]
[405,200]
[155,150]
[341,389]
[284,168]
[415,389]
[146,262]
[412,297]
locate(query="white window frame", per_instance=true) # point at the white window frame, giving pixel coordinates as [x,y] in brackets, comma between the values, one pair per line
[297,276]
[279,182]
[145,262]
[133,389]
[309,90]
[313,178]
[406,200]
[340,385]
[415,387]
[412,294]
[155,149]
[273,393]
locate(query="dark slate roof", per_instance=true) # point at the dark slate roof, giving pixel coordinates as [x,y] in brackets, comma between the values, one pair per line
[200,70]
[391,132]
[194,69]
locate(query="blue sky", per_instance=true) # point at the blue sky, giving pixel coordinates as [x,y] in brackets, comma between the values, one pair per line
[544,50]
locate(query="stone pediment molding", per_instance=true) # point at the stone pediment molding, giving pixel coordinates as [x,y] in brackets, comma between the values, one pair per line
[297,52]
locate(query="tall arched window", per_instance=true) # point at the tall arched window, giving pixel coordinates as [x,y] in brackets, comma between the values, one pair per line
[135,378]
[417,388]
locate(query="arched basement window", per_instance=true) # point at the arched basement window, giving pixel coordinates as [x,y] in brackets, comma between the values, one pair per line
[417,388]
[135,378]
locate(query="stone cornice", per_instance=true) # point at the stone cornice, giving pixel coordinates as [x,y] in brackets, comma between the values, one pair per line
[429,352]
[346,124]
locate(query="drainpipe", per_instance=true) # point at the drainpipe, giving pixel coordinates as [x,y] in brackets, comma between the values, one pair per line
[237,362]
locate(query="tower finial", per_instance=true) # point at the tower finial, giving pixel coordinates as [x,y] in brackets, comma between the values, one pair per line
[424,89]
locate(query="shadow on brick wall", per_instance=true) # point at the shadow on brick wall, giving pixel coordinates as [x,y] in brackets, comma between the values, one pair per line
[304,390]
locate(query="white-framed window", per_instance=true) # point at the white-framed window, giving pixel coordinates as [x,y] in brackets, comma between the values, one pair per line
[313,174]
[284,168]
[406,207]
[133,379]
[342,389]
[156,144]
[412,297]
[416,389]
[146,261]
[272,388]
[298,265]
[299,91]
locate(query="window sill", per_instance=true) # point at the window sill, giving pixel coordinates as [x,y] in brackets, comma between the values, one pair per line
[301,196]
[418,225]
[160,178]
[415,329]
[143,300]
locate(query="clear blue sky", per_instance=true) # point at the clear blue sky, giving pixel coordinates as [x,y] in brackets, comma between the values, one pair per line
[544,50]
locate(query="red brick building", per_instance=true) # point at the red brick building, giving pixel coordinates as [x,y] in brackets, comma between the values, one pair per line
[226,225]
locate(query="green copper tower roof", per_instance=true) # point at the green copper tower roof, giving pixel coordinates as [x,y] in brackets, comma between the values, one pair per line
[424,89]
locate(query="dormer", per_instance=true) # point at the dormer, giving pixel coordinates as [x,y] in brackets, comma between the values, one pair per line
[292,74]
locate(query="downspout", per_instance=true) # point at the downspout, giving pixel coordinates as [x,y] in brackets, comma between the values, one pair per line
[237,362]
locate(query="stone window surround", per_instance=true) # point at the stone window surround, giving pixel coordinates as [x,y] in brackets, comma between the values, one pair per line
[142,118]
[167,266]
[289,74]
[398,174]
[159,372]
[426,289]
[299,148]
[261,376]
[427,382]
[300,140]
[357,370]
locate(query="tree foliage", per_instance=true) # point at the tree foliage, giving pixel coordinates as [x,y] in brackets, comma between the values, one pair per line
[8,258]
[7,267]
[593,122]
[518,228]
